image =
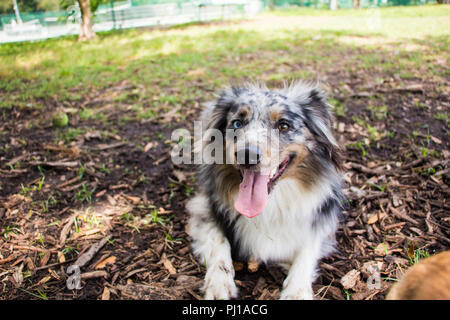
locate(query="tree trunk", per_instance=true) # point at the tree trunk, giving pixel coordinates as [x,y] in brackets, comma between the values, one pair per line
[16,11]
[86,32]
[333,4]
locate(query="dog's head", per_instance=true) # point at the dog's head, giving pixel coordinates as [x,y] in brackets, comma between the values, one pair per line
[272,135]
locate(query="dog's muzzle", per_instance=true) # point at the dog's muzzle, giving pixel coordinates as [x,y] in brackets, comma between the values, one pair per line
[248,156]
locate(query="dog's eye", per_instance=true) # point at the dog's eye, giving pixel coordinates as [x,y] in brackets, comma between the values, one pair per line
[283,126]
[237,124]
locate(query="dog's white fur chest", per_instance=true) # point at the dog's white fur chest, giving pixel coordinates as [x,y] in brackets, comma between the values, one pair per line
[285,225]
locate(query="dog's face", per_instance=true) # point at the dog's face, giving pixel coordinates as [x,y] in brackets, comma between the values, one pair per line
[273,135]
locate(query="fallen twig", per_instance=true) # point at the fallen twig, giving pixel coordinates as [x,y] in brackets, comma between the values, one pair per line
[87,256]
[67,164]
[53,265]
[93,274]
[66,229]
[17,247]
[16,159]
[363,169]
[102,147]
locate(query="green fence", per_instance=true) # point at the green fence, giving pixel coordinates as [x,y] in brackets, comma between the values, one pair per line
[132,9]
[43,18]
[142,13]
[124,14]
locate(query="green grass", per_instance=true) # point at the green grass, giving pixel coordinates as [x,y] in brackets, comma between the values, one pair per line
[419,254]
[84,194]
[156,64]
[361,146]
[442,116]
[396,22]
[40,294]
[378,112]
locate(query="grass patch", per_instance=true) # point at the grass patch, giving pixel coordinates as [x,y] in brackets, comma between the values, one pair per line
[148,60]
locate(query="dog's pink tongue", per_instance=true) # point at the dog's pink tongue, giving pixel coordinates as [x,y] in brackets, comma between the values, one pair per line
[253,194]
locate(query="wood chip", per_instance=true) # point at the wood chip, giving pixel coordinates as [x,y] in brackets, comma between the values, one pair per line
[106,294]
[67,183]
[189,281]
[350,279]
[87,256]
[66,229]
[30,248]
[18,276]
[61,257]
[148,292]
[179,175]
[100,194]
[133,199]
[161,160]
[93,274]
[102,264]
[102,147]
[16,159]
[375,217]
[395,225]
[168,265]
[335,293]
[73,152]
[148,146]
[363,169]
[8,259]
[399,214]
[436,140]
[45,258]
[381,249]
[65,164]
[111,200]
[131,273]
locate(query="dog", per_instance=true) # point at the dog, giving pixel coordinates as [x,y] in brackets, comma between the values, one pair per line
[271,205]
[427,280]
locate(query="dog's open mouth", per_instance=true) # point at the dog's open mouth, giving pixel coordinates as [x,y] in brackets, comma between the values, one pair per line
[255,187]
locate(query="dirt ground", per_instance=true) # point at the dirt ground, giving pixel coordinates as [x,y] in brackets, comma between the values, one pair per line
[64,190]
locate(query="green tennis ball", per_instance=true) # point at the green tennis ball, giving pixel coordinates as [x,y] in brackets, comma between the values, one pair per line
[60,119]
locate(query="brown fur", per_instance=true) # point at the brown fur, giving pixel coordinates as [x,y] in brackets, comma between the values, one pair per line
[275,115]
[228,182]
[307,172]
[244,112]
[303,168]
[427,280]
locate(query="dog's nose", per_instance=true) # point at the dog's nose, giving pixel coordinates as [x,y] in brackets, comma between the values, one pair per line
[248,156]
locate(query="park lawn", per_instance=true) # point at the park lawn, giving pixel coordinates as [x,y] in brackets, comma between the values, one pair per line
[109,172]
[411,41]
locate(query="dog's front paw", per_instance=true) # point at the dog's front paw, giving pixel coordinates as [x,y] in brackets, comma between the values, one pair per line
[219,285]
[299,294]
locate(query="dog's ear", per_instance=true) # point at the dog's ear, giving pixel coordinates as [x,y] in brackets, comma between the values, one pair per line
[215,114]
[315,109]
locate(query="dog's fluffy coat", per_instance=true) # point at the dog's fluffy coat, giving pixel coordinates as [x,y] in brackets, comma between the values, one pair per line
[298,223]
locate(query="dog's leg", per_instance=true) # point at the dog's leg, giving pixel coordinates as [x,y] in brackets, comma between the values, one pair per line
[213,249]
[297,285]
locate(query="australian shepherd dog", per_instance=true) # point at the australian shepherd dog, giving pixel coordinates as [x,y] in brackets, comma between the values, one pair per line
[277,198]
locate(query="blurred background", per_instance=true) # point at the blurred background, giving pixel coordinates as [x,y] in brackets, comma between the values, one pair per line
[40,19]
